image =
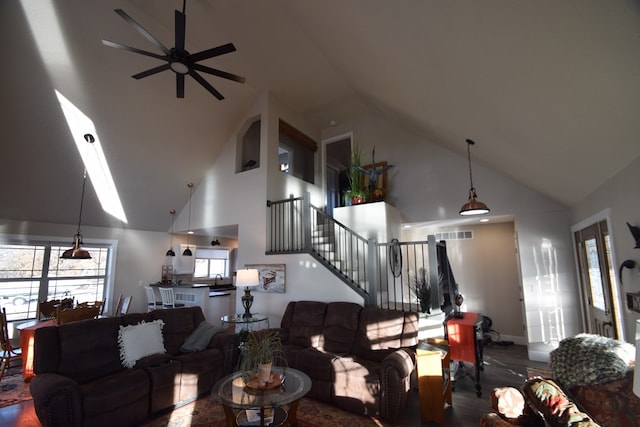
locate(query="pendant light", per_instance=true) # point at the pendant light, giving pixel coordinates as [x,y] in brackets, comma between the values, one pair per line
[187,252]
[171,252]
[473,205]
[76,252]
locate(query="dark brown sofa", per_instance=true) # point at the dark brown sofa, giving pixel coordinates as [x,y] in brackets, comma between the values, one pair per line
[80,379]
[359,359]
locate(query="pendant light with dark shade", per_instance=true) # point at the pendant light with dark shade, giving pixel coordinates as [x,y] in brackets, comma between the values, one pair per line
[76,252]
[187,252]
[171,252]
[473,205]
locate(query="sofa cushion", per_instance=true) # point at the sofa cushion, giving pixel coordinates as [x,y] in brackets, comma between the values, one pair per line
[306,323]
[548,399]
[115,391]
[179,324]
[89,349]
[141,340]
[379,333]
[315,363]
[588,359]
[200,337]
[340,326]
[356,385]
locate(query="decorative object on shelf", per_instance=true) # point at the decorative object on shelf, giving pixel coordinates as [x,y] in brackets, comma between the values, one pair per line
[262,350]
[271,277]
[171,252]
[422,290]
[187,252]
[473,205]
[635,232]
[215,241]
[177,58]
[355,194]
[76,252]
[247,278]
[375,193]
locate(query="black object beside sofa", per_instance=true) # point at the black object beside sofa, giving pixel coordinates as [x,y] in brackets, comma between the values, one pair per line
[81,381]
[358,358]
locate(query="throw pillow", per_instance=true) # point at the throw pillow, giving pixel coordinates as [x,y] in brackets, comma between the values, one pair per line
[200,337]
[548,399]
[588,359]
[138,341]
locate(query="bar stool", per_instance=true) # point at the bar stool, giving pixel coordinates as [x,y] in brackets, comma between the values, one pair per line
[151,299]
[168,298]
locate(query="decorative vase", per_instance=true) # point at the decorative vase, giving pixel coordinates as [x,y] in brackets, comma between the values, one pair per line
[264,373]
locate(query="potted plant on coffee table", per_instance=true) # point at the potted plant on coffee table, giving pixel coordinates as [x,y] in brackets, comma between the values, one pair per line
[261,351]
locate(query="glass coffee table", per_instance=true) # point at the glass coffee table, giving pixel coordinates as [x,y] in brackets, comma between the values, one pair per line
[245,405]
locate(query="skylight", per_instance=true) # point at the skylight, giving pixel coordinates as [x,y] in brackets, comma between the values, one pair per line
[93,158]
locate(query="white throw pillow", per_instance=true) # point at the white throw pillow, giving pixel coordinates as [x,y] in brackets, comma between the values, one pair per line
[138,341]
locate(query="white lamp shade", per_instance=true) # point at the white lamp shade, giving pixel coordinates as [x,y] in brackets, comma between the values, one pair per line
[247,277]
[636,374]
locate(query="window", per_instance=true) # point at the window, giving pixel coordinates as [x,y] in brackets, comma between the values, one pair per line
[296,153]
[211,262]
[35,272]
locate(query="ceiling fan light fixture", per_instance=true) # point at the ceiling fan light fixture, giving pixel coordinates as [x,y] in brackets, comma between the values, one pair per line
[178,67]
[473,205]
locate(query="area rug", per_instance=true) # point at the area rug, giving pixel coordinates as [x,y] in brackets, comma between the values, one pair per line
[13,389]
[311,413]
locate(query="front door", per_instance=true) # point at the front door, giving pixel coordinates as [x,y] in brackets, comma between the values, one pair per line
[594,261]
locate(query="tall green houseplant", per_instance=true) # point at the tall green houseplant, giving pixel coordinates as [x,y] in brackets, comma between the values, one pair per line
[355,194]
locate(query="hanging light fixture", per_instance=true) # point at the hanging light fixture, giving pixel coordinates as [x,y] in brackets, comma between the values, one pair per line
[171,252]
[76,252]
[187,252]
[473,205]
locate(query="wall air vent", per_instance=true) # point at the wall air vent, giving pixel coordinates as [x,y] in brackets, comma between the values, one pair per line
[454,235]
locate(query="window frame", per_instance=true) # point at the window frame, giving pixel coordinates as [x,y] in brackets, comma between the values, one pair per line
[45,278]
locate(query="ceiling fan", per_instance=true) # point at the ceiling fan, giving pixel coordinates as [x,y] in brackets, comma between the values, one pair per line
[177,59]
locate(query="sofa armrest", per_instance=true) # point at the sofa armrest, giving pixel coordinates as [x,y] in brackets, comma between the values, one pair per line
[402,361]
[395,374]
[57,400]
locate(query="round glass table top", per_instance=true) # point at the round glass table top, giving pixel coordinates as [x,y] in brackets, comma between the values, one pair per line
[232,391]
[239,318]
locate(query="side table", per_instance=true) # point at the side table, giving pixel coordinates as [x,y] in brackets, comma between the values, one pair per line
[434,381]
[244,322]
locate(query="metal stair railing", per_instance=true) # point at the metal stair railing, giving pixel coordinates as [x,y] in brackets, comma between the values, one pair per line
[296,226]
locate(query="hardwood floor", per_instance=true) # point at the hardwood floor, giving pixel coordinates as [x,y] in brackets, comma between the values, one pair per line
[504,366]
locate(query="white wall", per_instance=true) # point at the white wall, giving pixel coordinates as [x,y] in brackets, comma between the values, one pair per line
[620,195]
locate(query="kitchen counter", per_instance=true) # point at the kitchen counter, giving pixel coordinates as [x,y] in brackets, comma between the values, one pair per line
[216,300]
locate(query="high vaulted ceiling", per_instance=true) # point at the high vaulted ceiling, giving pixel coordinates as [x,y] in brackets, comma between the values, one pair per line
[551,89]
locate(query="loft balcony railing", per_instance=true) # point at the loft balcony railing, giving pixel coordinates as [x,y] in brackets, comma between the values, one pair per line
[385,274]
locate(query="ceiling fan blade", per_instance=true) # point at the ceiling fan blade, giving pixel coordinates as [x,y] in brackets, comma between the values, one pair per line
[142,31]
[218,73]
[206,84]
[133,49]
[210,53]
[180,85]
[151,71]
[180,30]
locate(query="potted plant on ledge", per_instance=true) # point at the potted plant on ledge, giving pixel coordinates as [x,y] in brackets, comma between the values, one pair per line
[260,352]
[355,194]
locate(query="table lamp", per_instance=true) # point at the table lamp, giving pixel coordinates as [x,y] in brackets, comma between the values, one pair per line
[247,278]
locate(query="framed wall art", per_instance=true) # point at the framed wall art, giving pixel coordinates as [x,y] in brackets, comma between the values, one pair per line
[271,277]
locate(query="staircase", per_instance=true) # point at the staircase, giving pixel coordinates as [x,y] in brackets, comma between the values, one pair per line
[296,226]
